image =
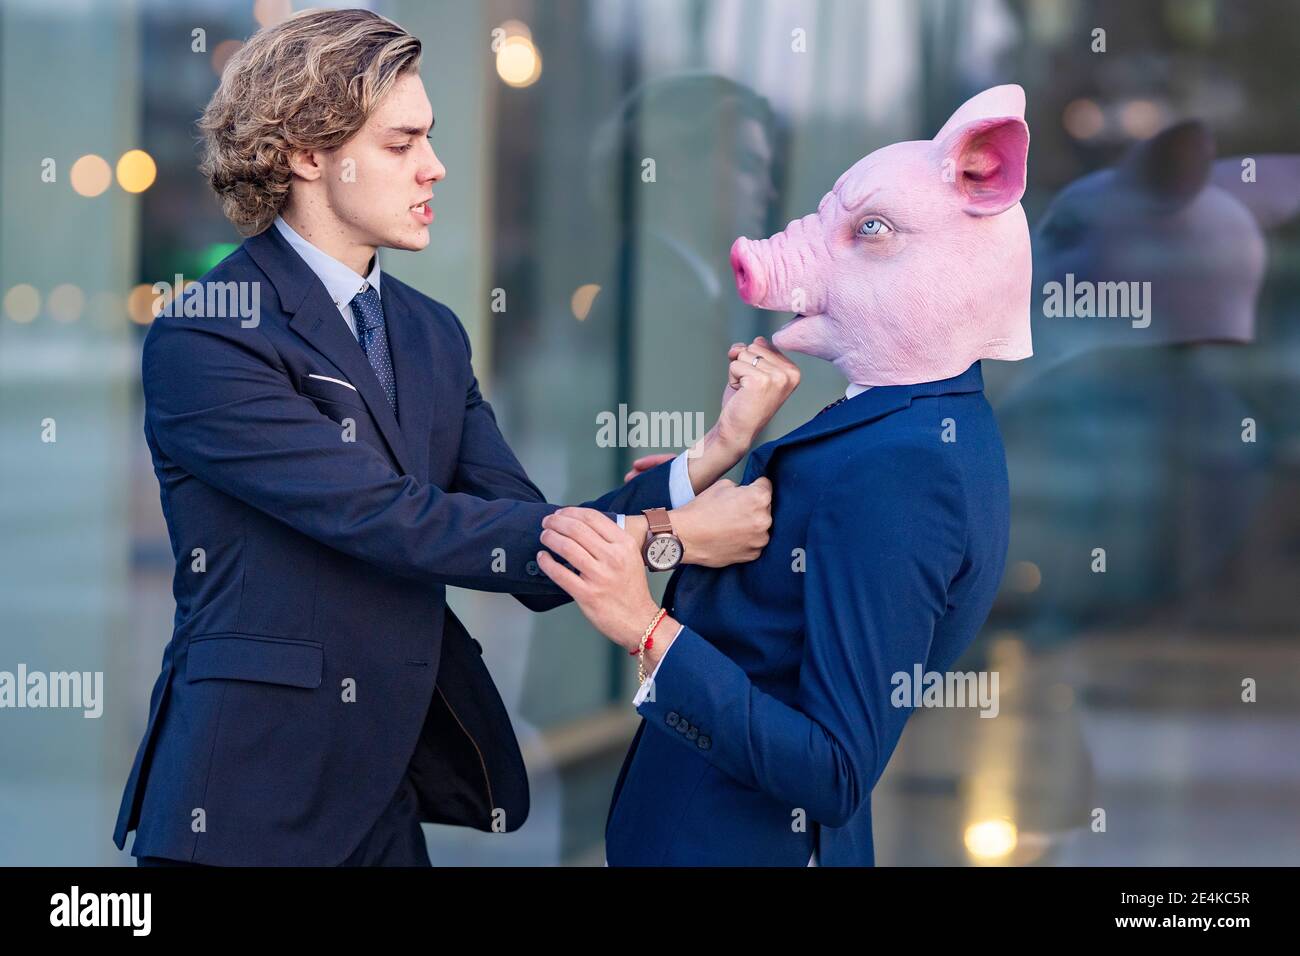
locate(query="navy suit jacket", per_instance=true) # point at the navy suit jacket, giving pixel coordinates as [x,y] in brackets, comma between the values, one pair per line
[313,658]
[771,714]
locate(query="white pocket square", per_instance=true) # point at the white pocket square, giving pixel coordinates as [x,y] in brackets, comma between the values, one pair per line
[336,381]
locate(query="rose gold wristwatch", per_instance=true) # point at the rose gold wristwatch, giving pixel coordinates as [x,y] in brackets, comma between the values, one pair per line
[662,550]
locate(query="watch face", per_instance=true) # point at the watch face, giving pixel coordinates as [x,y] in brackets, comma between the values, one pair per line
[663,552]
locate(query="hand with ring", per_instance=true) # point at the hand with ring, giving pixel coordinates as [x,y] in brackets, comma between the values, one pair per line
[759,380]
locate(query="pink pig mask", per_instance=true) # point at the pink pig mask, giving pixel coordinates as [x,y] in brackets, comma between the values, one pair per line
[917,263]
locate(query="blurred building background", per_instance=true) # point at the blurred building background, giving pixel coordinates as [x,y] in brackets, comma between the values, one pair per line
[602,155]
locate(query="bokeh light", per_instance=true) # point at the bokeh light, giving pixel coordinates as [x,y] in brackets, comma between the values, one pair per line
[222,53]
[212,255]
[1025,577]
[140,303]
[519,64]
[1141,119]
[270,12]
[1083,119]
[66,302]
[22,303]
[136,171]
[582,299]
[91,175]
[990,840]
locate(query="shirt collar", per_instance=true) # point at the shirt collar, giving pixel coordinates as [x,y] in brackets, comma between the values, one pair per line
[339,280]
[855,389]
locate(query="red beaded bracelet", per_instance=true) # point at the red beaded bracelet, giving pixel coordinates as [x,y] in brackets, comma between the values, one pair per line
[649,641]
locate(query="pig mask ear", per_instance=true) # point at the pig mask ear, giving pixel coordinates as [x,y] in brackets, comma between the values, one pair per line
[1171,168]
[985,160]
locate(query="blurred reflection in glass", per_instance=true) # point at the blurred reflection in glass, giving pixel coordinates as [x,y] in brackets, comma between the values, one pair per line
[1143,481]
[684,165]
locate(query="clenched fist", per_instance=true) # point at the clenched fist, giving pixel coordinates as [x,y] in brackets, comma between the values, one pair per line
[759,380]
[726,523]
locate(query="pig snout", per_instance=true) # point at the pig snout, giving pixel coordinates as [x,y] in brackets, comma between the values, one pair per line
[781,273]
[751,278]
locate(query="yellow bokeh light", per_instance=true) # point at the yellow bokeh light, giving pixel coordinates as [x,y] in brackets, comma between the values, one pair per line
[66,302]
[22,303]
[91,175]
[516,28]
[582,299]
[136,171]
[518,62]
[991,839]
[140,303]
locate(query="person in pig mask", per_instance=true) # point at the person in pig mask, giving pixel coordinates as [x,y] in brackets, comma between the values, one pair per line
[774,698]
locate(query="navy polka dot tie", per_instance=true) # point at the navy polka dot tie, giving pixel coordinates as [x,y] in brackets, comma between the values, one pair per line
[369,313]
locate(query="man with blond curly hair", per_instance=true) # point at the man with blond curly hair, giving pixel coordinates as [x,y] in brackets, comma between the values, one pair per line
[327,467]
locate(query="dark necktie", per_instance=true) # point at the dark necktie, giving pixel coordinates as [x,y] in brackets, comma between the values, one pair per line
[369,313]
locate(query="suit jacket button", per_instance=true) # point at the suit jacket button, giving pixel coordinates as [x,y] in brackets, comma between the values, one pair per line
[532,568]
[683,725]
[672,718]
[692,733]
[704,743]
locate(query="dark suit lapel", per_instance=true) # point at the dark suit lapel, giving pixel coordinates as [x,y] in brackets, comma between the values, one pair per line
[872,404]
[867,407]
[861,409]
[317,320]
[414,356]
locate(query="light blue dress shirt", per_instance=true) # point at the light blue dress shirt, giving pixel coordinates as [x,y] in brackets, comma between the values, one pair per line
[340,281]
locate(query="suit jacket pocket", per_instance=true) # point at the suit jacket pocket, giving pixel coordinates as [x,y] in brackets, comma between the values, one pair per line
[321,390]
[272,660]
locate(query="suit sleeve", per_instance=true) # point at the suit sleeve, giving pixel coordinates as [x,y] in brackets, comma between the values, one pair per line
[486,467]
[884,542]
[220,405]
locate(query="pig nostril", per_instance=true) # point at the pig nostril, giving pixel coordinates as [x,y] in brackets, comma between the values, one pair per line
[749,278]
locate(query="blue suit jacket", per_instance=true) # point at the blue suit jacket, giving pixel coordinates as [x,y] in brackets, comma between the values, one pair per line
[771,713]
[313,659]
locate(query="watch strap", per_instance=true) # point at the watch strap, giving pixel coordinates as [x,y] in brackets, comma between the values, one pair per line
[658,521]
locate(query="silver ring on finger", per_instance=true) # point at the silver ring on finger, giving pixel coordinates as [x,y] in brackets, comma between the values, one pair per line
[756,361]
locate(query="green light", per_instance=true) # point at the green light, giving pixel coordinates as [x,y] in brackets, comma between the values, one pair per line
[214,254]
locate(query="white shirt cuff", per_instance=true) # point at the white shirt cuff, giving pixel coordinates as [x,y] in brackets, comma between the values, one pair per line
[680,491]
[619,519]
[644,690]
